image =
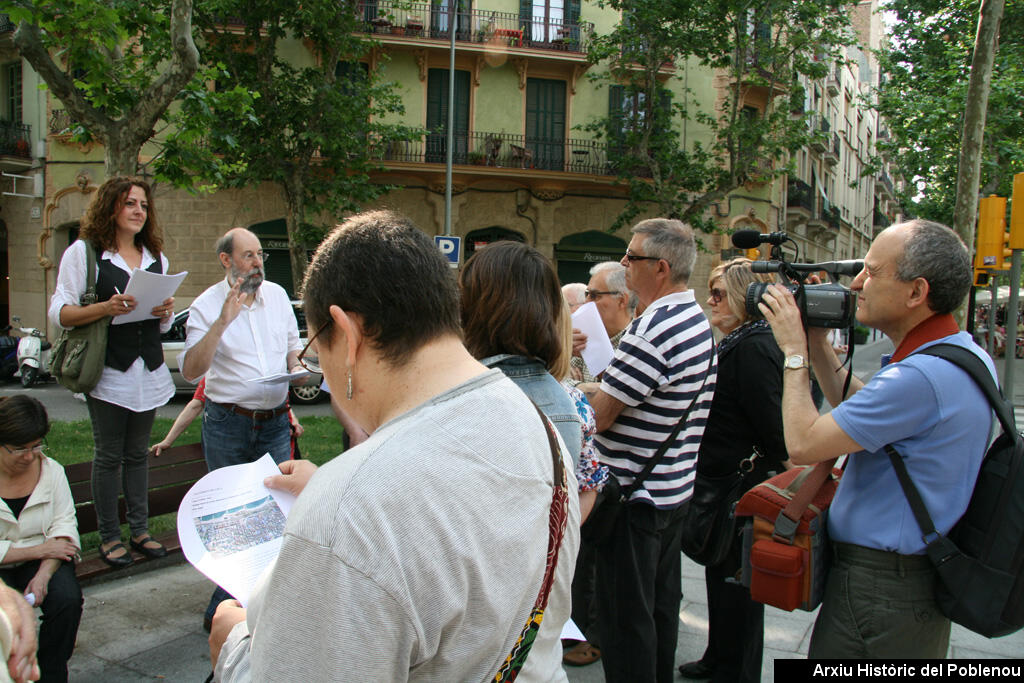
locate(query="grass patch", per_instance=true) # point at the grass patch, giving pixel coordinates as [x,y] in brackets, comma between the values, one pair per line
[71,442]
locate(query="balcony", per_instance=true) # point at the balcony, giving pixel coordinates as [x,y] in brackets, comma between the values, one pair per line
[15,145]
[831,155]
[820,127]
[884,187]
[505,151]
[832,82]
[395,22]
[831,217]
[800,197]
[881,221]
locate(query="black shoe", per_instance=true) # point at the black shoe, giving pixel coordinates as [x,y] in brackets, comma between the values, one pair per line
[120,560]
[696,670]
[152,553]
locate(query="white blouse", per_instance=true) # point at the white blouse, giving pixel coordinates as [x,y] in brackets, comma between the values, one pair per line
[137,389]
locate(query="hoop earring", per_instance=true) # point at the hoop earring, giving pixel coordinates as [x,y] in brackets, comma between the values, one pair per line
[348,394]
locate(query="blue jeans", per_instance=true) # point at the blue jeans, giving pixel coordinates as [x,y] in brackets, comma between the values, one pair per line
[233,439]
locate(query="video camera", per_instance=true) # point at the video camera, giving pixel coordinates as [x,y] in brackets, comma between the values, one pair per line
[828,305]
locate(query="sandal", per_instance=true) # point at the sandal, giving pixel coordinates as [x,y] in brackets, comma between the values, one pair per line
[581,654]
[153,553]
[120,560]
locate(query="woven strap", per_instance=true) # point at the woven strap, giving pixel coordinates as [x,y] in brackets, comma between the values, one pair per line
[558,517]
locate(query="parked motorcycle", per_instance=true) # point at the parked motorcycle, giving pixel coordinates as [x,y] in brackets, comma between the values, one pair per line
[33,354]
[8,354]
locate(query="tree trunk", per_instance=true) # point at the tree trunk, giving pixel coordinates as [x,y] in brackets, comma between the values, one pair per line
[119,158]
[969,173]
[295,202]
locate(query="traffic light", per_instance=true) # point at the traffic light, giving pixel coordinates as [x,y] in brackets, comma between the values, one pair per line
[1017,213]
[980,277]
[993,241]
[755,254]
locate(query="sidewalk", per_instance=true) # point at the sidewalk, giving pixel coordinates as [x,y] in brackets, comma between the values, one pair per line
[148,626]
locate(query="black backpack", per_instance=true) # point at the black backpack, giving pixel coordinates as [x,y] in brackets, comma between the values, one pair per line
[979,562]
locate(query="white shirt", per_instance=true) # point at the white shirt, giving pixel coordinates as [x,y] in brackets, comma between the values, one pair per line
[137,388]
[255,344]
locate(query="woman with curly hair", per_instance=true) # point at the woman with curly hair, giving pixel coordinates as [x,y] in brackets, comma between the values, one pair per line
[121,227]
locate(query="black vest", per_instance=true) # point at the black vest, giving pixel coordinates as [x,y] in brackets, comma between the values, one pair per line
[127,342]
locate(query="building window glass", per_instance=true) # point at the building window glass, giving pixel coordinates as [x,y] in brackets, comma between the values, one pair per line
[12,81]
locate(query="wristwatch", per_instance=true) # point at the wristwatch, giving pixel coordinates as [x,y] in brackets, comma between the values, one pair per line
[795,362]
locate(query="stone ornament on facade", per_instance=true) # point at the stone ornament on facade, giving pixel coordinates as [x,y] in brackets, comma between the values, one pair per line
[58,213]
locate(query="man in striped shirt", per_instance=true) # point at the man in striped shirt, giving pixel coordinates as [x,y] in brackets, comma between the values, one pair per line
[664,368]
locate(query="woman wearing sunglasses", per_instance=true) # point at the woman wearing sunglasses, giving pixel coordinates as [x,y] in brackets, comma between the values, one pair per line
[38,531]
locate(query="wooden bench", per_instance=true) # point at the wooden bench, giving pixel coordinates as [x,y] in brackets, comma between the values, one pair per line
[170,477]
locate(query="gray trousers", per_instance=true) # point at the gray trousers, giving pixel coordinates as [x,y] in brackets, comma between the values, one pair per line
[879,605]
[121,452]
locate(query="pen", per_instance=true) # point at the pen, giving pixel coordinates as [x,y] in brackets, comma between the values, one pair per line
[122,300]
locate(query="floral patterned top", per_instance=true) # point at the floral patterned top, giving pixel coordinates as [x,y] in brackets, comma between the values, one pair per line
[591,475]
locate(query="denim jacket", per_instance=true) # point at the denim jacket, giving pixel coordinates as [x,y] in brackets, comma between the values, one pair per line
[530,375]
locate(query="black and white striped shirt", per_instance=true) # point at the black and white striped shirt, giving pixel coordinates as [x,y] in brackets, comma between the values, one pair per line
[657,372]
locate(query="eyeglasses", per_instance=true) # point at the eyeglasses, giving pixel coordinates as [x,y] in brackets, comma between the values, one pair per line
[638,257]
[594,294]
[38,449]
[308,363]
[251,256]
[717,295]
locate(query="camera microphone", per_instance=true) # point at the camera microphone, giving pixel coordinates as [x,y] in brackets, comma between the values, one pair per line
[752,239]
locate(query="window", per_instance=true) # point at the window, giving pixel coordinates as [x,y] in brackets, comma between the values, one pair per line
[12,82]
[546,21]
[437,116]
[545,122]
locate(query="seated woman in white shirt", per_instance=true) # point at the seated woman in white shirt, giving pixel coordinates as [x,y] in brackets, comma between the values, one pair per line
[38,531]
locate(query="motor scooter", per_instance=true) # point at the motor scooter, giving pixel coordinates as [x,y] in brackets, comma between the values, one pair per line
[8,354]
[33,354]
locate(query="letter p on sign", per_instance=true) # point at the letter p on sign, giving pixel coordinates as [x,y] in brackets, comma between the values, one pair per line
[450,248]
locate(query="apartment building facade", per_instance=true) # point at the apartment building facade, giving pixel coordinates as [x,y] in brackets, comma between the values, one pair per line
[523,167]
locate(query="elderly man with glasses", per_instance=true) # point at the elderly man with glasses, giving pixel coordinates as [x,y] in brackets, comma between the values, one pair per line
[663,374]
[239,330]
[615,304]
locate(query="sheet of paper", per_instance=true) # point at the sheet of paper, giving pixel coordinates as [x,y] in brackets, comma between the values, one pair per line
[572,632]
[150,290]
[230,525]
[598,352]
[281,377]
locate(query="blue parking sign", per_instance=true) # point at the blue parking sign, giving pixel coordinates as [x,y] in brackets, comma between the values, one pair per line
[450,248]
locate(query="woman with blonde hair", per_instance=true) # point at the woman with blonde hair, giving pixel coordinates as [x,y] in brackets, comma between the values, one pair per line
[121,227]
[744,429]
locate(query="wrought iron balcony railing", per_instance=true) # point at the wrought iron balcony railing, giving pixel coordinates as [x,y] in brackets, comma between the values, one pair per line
[6,25]
[800,196]
[503,150]
[15,140]
[428,20]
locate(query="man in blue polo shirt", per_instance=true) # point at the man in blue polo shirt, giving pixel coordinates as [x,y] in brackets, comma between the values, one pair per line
[664,363]
[879,599]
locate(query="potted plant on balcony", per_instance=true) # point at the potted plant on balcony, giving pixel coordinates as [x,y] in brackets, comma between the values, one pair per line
[476,158]
[413,26]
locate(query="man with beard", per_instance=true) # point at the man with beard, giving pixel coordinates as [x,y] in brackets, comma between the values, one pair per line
[240,329]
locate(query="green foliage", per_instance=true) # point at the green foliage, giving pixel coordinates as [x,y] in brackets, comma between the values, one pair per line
[116,67]
[314,126]
[927,67]
[760,47]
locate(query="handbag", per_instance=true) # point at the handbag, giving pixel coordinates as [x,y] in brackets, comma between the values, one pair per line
[709,525]
[80,352]
[785,542]
[613,498]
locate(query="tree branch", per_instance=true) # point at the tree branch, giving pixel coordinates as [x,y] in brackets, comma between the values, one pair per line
[184,65]
[29,40]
